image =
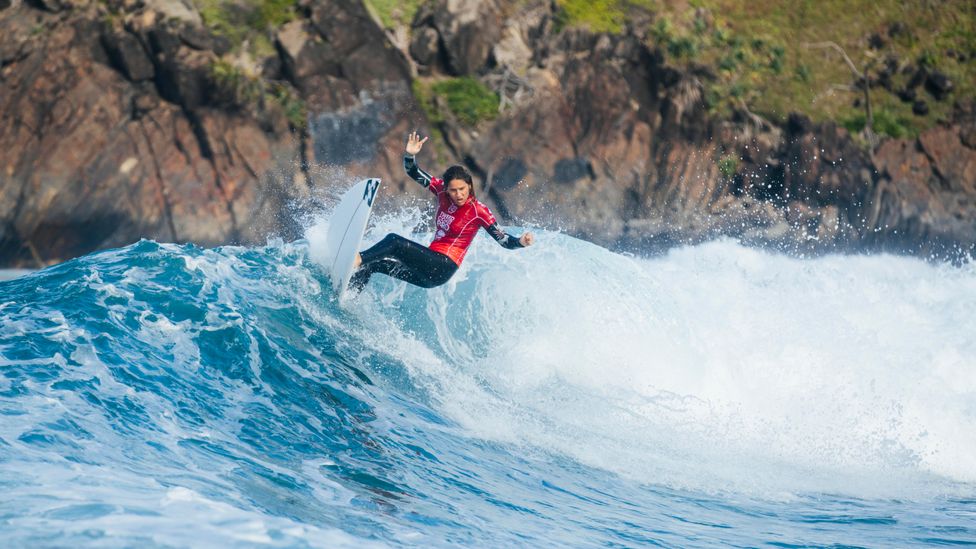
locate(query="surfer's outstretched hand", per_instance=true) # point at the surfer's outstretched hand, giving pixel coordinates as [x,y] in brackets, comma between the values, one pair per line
[415,143]
[526,239]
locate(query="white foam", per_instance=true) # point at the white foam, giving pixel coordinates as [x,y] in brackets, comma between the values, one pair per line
[10,274]
[134,506]
[714,367]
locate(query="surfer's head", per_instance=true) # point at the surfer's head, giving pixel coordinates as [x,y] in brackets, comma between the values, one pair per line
[459,185]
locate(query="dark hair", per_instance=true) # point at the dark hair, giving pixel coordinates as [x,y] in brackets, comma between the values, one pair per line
[459,172]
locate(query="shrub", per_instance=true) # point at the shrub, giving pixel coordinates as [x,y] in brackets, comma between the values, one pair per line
[885,123]
[293,106]
[469,100]
[727,165]
[683,46]
[232,86]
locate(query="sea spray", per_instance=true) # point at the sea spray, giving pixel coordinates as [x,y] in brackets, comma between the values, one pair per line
[561,395]
[762,371]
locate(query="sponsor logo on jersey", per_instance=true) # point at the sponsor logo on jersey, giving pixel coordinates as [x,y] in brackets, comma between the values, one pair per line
[444,221]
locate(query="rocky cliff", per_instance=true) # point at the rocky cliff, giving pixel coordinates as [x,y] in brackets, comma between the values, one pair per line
[133,118]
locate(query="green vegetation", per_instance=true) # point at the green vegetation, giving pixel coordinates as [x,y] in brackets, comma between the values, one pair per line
[761,56]
[425,96]
[247,21]
[727,165]
[596,15]
[393,13]
[233,86]
[885,123]
[779,71]
[756,55]
[273,13]
[467,98]
[293,106]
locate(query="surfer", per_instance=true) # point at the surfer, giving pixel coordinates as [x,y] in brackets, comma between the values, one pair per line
[459,216]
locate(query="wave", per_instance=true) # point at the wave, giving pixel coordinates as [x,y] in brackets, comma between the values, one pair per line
[162,382]
[714,367]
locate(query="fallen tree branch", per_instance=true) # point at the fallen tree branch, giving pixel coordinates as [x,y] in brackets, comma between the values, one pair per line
[862,81]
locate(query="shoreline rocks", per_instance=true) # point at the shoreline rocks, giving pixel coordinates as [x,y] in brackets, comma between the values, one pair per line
[119,125]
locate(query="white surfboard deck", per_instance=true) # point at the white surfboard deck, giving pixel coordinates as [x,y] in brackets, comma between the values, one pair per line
[346,228]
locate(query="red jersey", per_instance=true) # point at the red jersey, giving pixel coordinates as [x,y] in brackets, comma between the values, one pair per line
[456,226]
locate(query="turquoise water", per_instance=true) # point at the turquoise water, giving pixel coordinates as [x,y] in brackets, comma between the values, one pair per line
[563,395]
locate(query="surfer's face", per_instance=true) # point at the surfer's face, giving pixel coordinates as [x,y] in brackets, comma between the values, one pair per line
[458,190]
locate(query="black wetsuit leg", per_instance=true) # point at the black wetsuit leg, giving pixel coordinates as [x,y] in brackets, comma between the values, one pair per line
[406,260]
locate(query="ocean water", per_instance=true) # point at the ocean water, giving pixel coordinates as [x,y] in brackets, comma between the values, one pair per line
[558,396]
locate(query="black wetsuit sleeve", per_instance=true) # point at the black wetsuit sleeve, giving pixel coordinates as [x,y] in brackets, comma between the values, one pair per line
[503,238]
[414,171]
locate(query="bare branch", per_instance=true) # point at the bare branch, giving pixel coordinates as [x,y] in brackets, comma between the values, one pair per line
[838,49]
[861,79]
[753,117]
[510,87]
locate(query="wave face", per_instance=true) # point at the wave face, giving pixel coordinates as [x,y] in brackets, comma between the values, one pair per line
[561,395]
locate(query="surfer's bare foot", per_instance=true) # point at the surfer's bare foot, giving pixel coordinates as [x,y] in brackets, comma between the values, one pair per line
[357,262]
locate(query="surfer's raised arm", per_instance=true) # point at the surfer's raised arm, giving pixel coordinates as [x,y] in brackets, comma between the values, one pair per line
[414,144]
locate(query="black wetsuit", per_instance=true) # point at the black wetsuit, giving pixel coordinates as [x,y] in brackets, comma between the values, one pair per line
[420,265]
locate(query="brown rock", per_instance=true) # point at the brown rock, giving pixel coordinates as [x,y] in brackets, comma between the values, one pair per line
[514,49]
[16,40]
[610,143]
[198,37]
[424,45]
[91,162]
[52,6]
[468,29]
[128,55]
[911,210]
[817,168]
[144,103]
[367,59]
[952,162]
[303,56]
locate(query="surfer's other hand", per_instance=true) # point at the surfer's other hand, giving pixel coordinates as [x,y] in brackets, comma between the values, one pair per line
[526,239]
[415,143]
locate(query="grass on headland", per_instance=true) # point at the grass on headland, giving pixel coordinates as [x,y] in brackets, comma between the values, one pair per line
[249,24]
[470,101]
[393,13]
[760,52]
[595,15]
[247,21]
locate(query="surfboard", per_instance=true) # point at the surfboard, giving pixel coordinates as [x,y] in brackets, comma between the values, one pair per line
[346,228]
